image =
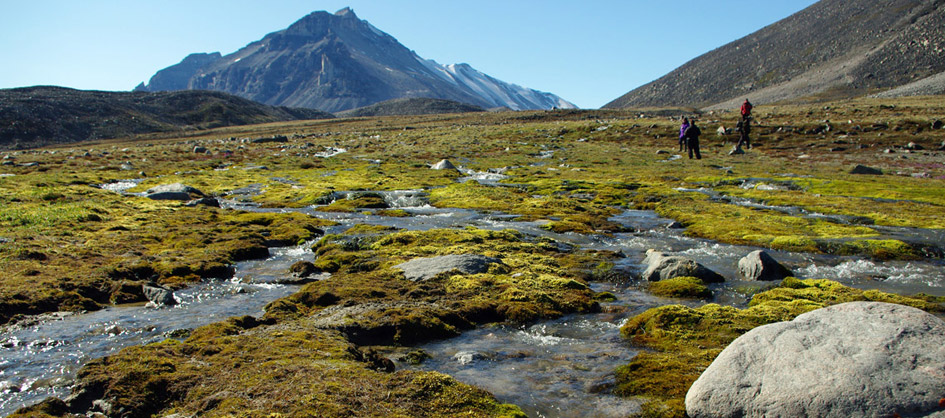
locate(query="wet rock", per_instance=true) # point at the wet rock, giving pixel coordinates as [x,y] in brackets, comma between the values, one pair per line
[303,269]
[420,269]
[855,359]
[176,191]
[468,357]
[444,165]
[759,265]
[662,267]
[159,295]
[204,201]
[862,169]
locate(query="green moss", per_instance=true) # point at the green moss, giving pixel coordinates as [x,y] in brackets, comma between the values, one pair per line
[288,370]
[680,287]
[685,340]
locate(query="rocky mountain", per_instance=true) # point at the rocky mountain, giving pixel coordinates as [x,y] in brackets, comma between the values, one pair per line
[832,49]
[38,116]
[416,106]
[336,62]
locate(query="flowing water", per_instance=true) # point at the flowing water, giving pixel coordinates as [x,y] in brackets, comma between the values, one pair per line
[557,368]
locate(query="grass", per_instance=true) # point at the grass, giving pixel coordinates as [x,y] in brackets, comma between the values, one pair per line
[66,244]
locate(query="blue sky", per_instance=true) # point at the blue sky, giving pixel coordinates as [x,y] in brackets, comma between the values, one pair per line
[588,52]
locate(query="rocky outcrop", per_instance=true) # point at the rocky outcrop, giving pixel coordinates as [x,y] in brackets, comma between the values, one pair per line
[659,266]
[420,269]
[858,359]
[759,265]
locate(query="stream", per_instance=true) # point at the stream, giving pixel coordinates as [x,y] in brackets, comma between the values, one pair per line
[555,368]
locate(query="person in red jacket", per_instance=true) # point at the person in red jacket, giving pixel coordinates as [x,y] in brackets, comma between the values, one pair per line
[746,109]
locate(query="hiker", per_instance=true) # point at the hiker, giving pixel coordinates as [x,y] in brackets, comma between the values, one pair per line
[682,134]
[746,109]
[692,139]
[743,127]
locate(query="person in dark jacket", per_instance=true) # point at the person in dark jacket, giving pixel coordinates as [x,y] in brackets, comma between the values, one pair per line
[692,139]
[682,134]
[743,127]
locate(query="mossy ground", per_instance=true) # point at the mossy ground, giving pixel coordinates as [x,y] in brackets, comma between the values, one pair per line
[241,368]
[681,341]
[67,245]
[680,287]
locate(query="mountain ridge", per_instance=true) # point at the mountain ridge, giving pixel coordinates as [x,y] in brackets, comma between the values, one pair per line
[48,115]
[834,48]
[337,62]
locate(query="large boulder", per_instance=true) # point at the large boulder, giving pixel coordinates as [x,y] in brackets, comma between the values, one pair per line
[176,191]
[660,266]
[158,295]
[420,269]
[858,359]
[444,165]
[759,265]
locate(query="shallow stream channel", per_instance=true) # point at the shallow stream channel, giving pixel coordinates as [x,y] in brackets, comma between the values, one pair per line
[556,368]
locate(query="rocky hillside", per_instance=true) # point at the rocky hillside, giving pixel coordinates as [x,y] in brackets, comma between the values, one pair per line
[418,106]
[832,49]
[38,116]
[336,62]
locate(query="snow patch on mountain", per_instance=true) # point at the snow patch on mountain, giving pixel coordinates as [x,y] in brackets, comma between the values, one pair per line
[496,92]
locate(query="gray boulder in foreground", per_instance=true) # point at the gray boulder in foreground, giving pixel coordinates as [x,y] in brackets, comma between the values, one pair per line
[158,295]
[659,266]
[759,265]
[420,269]
[858,359]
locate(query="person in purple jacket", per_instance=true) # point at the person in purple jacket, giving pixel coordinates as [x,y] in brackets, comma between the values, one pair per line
[682,134]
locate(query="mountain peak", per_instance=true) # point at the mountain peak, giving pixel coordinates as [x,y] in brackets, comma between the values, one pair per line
[337,62]
[346,12]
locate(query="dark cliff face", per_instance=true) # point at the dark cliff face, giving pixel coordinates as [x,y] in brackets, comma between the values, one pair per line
[847,47]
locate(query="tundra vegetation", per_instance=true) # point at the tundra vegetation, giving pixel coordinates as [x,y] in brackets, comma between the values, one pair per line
[68,244]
